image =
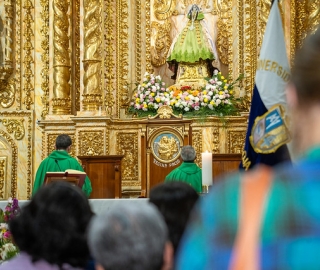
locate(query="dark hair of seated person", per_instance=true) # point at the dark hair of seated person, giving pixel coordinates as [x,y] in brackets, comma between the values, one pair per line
[52,227]
[174,200]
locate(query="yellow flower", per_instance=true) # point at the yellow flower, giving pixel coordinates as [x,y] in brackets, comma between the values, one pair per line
[145,106]
[230,92]
[144,85]
[187,98]
[172,102]
[204,92]
[220,92]
[222,78]
[212,102]
[137,100]
[225,87]
[205,100]
[225,81]
[152,94]
[158,99]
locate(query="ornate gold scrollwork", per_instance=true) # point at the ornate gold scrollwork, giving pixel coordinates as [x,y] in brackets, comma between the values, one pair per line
[162,43]
[263,14]
[91,143]
[163,9]
[92,94]
[14,159]
[7,89]
[313,9]
[2,175]
[215,140]
[165,112]
[127,145]
[61,102]
[28,49]
[15,126]
[109,61]
[236,141]
[45,57]
[197,144]
[123,53]
[224,31]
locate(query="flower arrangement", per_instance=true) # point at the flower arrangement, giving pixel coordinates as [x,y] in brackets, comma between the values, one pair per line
[7,248]
[215,98]
[149,96]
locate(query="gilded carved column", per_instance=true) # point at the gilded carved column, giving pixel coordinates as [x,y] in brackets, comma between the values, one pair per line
[92,63]
[61,102]
[7,91]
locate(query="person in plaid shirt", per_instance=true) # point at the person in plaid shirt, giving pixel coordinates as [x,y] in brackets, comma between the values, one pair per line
[268,218]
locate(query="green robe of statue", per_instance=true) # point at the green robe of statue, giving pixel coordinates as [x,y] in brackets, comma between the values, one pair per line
[189,173]
[59,161]
[192,44]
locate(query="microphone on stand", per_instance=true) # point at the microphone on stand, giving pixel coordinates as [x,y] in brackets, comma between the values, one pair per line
[56,161]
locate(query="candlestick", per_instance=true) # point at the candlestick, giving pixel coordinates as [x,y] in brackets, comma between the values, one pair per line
[206,169]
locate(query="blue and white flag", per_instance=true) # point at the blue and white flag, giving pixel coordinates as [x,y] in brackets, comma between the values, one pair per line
[267,132]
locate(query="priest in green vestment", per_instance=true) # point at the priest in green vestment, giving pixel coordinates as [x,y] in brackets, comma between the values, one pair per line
[188,171]
[58,161]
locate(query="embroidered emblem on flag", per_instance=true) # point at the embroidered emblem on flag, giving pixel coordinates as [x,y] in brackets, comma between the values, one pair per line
[269,131]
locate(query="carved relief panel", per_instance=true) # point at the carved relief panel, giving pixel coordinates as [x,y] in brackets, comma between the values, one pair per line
[127,145]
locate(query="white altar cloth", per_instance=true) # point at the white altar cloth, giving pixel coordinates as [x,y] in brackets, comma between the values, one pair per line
[98,206]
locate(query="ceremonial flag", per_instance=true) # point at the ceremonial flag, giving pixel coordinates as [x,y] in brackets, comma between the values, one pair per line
[267,132]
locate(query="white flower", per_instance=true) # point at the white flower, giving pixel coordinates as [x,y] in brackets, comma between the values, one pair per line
[146,74]
[8,247]
[196,108]
[215,72]
[218,101]
[186,109]
[156,106]
[10,200]
[210,106]
[210,93]
[196,99]
[158,77]
[221,96]
[144,79]
[3,226]
[184,103]
[219,83]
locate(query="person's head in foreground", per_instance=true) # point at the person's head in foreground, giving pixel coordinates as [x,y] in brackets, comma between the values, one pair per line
[267,218]
[52,227]
[175,200]
[303,94]
[130,237]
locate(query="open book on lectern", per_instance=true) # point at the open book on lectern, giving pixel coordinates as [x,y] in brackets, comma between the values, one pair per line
[74,177]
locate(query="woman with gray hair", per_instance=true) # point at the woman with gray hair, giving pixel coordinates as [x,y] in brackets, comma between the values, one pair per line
[130,237]
[188,171]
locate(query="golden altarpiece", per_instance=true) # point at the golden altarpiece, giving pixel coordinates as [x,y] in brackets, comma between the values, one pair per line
[70,67]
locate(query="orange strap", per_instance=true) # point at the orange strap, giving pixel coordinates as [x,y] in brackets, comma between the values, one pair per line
[255,187]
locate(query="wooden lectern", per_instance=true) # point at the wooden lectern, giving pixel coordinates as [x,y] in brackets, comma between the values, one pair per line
[105,175]
[74,177]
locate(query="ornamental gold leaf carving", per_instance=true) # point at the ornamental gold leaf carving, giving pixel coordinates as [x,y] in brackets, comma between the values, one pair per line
[162,43]
[15,126]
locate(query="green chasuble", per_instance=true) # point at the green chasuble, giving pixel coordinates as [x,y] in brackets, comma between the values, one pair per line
[59,161]
[189,173]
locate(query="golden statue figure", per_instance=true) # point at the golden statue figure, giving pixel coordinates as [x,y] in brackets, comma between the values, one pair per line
[167,148]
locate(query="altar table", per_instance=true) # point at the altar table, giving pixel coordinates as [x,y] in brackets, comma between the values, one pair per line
[98,206]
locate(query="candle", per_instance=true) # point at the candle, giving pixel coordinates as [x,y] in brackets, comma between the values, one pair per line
[207,169]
